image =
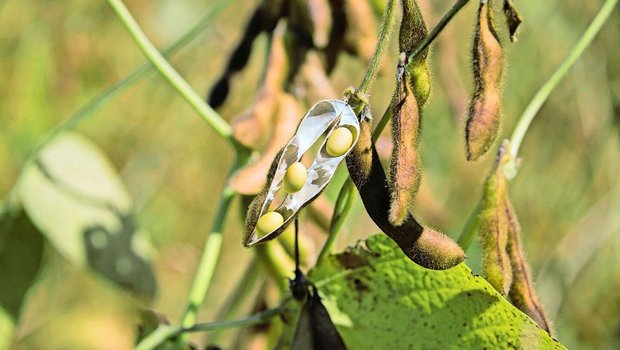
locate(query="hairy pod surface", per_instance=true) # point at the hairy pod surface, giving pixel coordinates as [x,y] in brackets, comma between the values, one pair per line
[488,64]
[324,117]
[513,19]
[493,227]
[423,246]
[405,169]
[413,30]
[419,80]
[522,292]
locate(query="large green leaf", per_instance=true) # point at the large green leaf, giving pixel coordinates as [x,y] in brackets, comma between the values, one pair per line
[379,299]
[21,248]
[76,198]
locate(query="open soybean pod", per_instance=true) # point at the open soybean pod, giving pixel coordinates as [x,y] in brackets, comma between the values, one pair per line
[488,65]
[333,117]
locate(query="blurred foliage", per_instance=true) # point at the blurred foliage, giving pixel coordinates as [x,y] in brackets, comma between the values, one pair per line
[57,55]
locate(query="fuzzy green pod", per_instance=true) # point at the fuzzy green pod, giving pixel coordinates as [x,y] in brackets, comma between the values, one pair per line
[423,246]
[493,227]
[513,19]
[405,169]
[419,77]
[522,292]
[413,30]
[488,64]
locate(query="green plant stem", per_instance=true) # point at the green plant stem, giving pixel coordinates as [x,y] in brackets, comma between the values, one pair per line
[205,111]
[210,252]
[345,199]
[341,211]
[383,41]
[210,256]
[447,17]
[340,215]
[387,115]
[534,106]
[165,332]
[471,226]
[268,257]
[242,290]
[545,90]
[136,75]
[106,95]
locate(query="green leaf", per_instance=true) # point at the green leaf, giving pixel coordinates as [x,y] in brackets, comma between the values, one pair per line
[21,248]
[379,299]
[75,197]
[7,328]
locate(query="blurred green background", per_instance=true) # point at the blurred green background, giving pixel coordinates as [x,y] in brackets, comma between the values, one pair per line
[55,56]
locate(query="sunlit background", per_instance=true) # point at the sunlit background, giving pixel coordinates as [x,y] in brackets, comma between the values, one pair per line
[56,55]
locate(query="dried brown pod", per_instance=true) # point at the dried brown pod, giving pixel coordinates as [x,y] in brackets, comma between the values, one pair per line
[361,33]
[404,164]
[264,18]
[250,179]
[312,83]
[336,35]
[488,64]
[310,20]
[249,127]
[320,14]
[493,227]
[423,246]
[522,292]
[513,19]
[413,30]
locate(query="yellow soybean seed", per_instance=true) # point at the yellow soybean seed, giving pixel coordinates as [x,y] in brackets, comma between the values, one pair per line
[295,177]
[269,222]
[339,142]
